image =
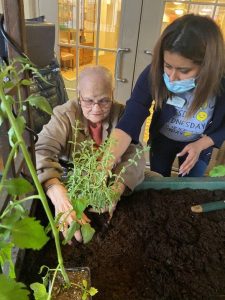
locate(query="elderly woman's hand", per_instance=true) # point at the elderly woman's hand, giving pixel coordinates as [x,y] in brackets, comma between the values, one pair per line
[58,195]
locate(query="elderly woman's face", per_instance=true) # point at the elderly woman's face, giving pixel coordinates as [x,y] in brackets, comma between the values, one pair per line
[95,100]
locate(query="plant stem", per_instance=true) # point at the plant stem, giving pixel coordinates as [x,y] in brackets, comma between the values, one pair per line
[17,202]
[26,199]
[53,280]
[7,165]
[38,186]
[5,226]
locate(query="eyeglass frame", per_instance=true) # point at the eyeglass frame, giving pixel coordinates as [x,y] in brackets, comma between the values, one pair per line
[93,103]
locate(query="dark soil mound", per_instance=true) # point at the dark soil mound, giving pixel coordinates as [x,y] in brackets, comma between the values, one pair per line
[154,248]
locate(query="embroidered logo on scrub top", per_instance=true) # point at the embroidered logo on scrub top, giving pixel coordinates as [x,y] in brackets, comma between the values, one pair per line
[201,116]
[182,129]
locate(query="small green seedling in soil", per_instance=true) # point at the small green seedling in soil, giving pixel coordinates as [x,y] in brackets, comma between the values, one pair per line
[90,183]
[217,171]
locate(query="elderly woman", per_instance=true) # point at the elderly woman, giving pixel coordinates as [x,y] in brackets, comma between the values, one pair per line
[97,114]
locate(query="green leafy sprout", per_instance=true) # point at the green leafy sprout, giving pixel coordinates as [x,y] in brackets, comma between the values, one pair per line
[217,171]
[40,290]
[90,183]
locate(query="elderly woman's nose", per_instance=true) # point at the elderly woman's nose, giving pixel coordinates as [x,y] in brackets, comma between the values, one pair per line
[96,106]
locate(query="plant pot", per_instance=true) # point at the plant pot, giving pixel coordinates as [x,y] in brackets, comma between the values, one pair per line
[76,276]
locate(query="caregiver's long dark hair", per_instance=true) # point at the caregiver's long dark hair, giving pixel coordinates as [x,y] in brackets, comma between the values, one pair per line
[197,38]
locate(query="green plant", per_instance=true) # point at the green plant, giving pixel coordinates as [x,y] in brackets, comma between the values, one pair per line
[217,171]
[87,291]
[50,277]
[16,227]
[89,183]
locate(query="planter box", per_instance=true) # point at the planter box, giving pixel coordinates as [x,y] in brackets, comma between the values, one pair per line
[154,247]
[177,183]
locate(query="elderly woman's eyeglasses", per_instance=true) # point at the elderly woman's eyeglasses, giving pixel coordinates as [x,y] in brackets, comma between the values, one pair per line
[89,103]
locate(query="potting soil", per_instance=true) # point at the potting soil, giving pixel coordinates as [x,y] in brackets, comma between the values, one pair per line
[154,248]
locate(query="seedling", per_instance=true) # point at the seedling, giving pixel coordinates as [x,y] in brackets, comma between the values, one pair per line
[217,171]
[56,285]
[90,183]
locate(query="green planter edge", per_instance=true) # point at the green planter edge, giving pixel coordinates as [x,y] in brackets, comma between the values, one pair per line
[178,183]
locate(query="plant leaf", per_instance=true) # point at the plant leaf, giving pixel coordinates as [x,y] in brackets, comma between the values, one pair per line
[217,171]
[23,60]
[28,233]
[42,269]
[10,289]
[8,85]
[72,229]
[4,236]
[46,277]
[10,100]
[92,291]
[87,232]
[26,82]
[6,257]
[40,292]
[14,215]
[84,283]
[79,206]
[85,295]
[2,242]
[18,186]
[20,124]
[41,103]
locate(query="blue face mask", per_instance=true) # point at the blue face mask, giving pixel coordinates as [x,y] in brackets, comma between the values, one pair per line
[179,86]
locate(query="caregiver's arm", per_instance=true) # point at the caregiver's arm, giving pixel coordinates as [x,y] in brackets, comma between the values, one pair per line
[122,142]
[136,111]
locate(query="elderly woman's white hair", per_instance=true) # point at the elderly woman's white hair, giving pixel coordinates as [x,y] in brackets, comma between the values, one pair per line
[96,72]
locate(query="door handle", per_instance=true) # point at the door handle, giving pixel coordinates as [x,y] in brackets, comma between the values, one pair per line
[119,54]
[148,52]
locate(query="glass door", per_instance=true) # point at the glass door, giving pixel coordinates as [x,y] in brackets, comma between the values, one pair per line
[88,34]
[212,8]
[99,32]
